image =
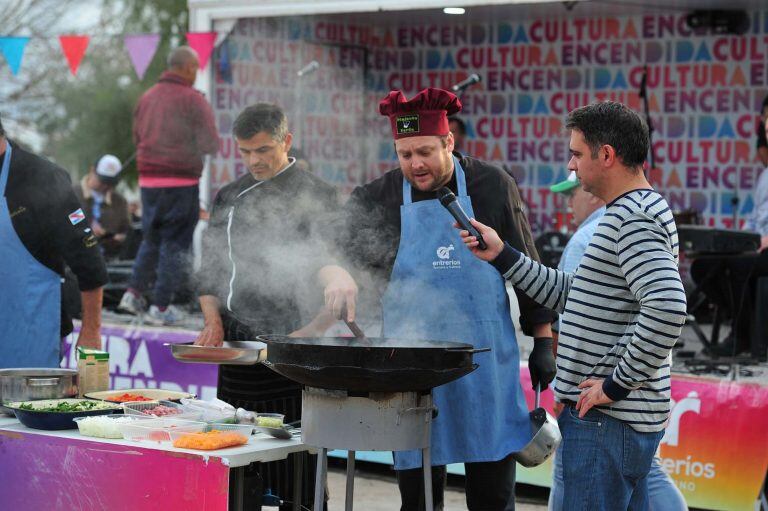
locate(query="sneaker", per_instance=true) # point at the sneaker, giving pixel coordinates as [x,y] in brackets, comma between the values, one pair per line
[132,304]
[169,316]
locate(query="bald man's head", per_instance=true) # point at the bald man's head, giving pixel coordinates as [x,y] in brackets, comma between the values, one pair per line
[183,61]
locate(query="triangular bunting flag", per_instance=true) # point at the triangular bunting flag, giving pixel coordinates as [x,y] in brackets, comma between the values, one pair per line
[74,47]
[202,43]
[141,49]
[225,67]
[12,49]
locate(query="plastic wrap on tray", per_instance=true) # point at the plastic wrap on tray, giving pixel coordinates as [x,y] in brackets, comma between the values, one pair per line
[106,426]
[161,409]
[209,440]
[159,430]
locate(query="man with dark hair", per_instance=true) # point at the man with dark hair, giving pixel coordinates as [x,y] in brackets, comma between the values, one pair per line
[173,129]
[587,211]
[397,230]
[622,311]
[263,258]
[42,229]
[277,204]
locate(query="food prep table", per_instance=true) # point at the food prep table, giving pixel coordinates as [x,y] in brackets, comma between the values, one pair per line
[65,470]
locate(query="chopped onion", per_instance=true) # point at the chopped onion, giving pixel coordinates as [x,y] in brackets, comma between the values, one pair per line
[102,426]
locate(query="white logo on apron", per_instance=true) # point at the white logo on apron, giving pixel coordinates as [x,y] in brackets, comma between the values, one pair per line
[445,262]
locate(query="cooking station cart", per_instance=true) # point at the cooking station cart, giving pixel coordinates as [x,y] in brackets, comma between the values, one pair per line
[396,421]
[368,394]
[64,470]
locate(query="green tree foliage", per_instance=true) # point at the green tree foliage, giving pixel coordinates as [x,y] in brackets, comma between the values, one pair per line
[91,113]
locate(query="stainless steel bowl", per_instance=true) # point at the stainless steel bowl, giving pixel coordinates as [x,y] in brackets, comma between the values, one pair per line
[25,384]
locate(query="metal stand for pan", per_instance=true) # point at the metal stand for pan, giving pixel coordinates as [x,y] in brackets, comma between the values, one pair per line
[334,419]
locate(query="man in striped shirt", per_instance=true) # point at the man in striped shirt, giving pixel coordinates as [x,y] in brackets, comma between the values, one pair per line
[622,311]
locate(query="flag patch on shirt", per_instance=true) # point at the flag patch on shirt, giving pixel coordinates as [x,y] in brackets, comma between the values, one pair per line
[76,216]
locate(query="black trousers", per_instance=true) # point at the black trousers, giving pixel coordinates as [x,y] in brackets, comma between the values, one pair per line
[490,486]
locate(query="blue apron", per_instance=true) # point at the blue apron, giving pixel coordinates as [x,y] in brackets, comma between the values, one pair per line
[30,297]
[440,291]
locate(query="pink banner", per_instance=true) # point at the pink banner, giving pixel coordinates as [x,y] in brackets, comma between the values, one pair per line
[46,472]
[715,447]
[141,49]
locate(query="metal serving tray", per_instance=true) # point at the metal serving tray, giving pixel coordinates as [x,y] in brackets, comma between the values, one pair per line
[231,352]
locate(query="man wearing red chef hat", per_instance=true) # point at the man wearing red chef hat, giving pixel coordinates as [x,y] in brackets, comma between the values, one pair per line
[435,289]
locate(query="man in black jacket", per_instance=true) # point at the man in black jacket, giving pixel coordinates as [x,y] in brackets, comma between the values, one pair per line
[264,260]
[42,229]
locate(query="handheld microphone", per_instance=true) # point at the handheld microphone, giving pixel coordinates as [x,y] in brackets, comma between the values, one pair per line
[470,80]
[449,202]
[309,68]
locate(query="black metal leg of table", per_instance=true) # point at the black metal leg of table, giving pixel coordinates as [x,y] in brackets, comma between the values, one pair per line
[426,463]
[236,488]
[320,478]
[350,480]
[298,468]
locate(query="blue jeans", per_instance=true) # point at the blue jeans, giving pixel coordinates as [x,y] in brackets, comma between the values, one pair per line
[662,491]
[168,220]
[604,464]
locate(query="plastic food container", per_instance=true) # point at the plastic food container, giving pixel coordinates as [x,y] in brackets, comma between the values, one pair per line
[245,429]
[209,440]
[158,430]
[160,409]
[269,420]
[106,426]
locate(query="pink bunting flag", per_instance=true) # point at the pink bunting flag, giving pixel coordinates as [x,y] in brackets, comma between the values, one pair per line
[202,43]
[141,49]
[74,47]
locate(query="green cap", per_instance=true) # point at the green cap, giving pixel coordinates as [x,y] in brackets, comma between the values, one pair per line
[567,185]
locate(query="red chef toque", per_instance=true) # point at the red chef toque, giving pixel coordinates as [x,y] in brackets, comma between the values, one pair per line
[425,114]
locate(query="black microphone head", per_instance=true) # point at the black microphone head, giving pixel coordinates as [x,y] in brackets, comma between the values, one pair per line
[445,195]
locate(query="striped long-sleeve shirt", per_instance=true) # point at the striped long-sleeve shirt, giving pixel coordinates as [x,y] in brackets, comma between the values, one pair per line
[622,310]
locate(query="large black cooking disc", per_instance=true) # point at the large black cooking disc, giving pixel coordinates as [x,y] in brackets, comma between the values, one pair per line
[372,365]
[357,380]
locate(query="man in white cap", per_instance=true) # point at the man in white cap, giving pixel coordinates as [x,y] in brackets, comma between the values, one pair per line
[105,208]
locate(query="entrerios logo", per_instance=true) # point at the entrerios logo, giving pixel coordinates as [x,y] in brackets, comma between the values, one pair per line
[444,261]
[691,403]
[684,471]
[445,252]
